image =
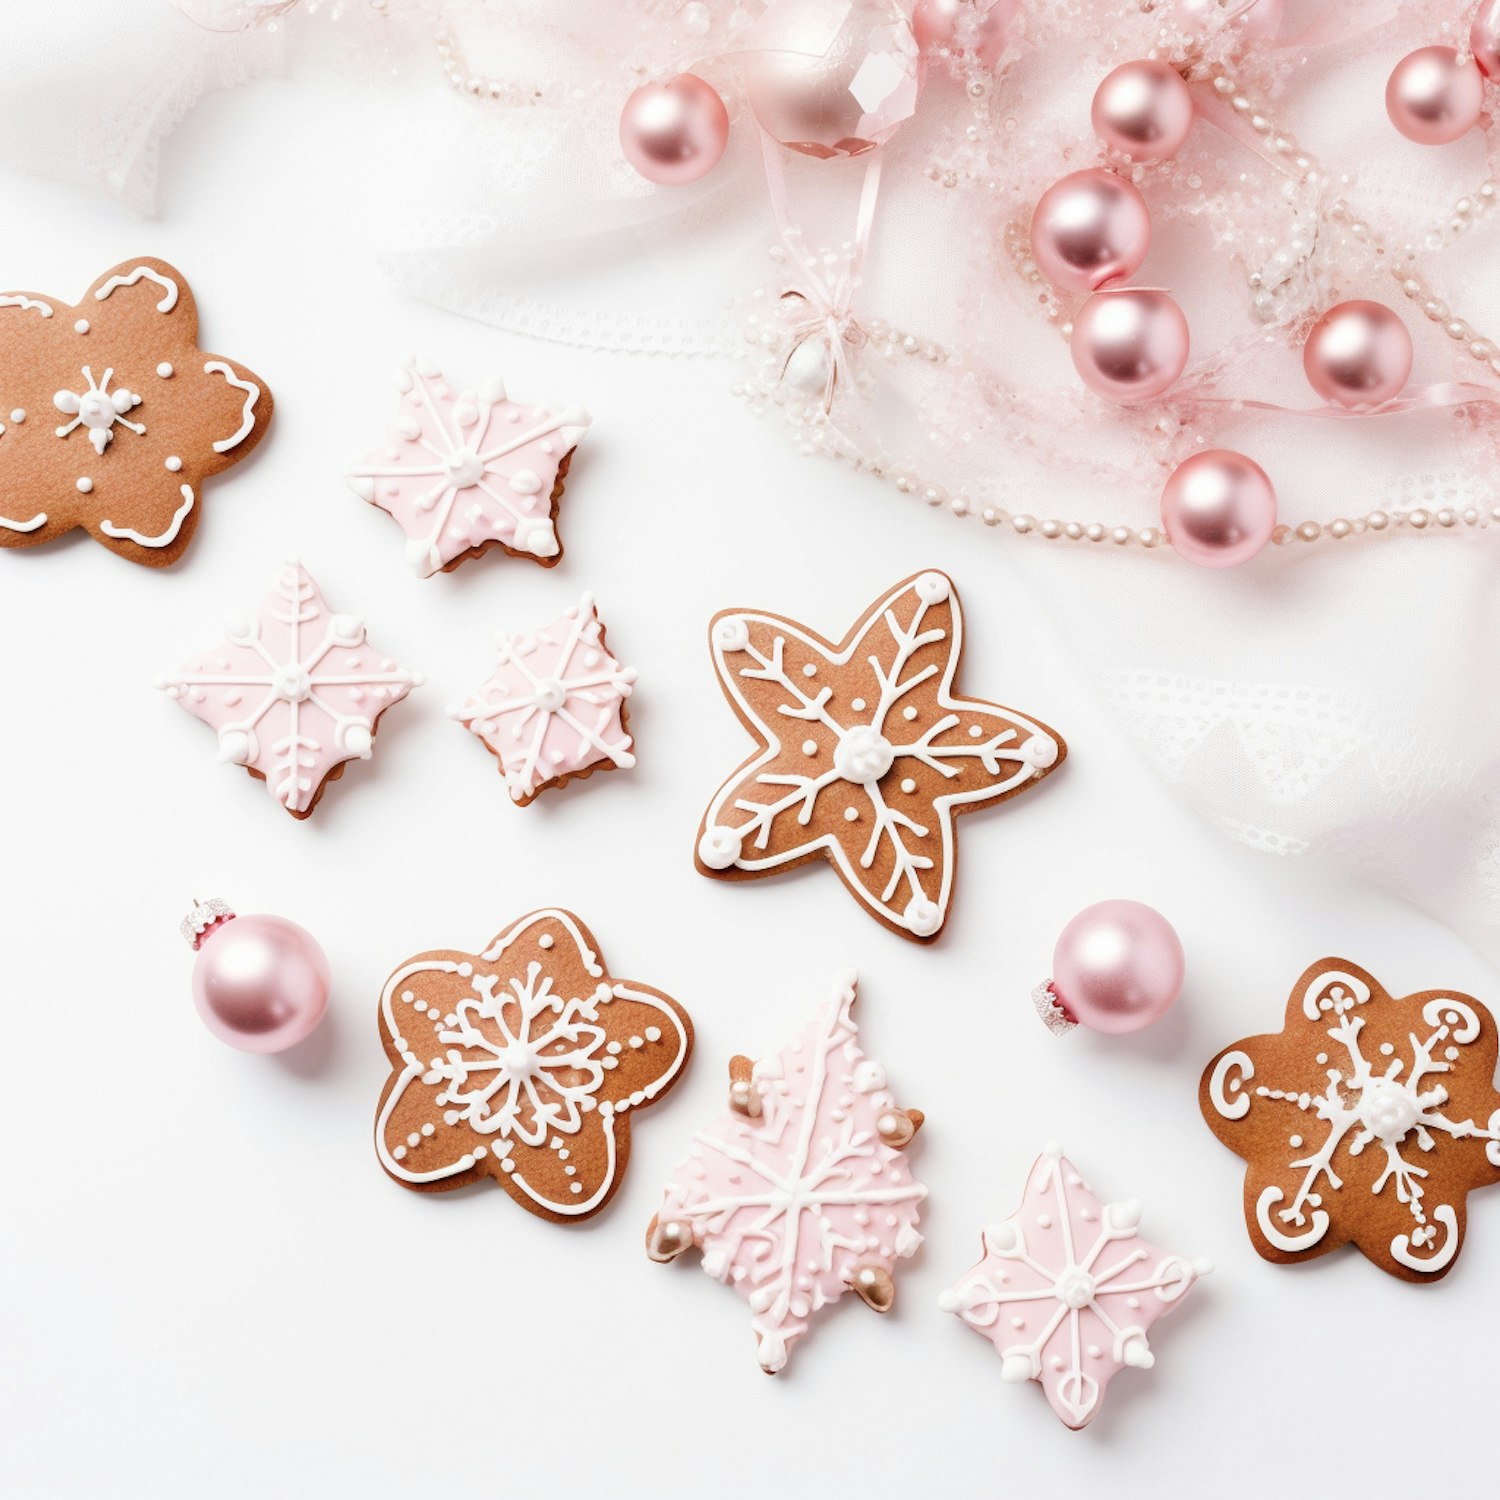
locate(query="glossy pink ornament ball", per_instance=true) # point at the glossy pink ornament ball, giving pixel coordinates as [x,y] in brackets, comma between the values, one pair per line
[1358,355]
[1090,228]
[1434,96]
[674,132]
[1143,110]
[1218,509]
[1129,344]
[1117,967]
[940,24]
[1484,38]
[260,982]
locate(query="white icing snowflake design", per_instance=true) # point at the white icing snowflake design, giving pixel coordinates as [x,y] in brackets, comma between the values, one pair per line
[468,469]
[1385,1097]
[1066,1289]
[555,706]
[294,691]
[797,1196]
[98,410]
[867,753]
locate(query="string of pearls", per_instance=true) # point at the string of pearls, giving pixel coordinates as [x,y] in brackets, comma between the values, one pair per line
[499,90]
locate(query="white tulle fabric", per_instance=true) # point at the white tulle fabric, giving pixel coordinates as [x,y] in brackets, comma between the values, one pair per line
[1335,699]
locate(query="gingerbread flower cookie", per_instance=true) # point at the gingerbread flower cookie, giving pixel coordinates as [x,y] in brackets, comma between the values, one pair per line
[1066,1289]
[111,417]
[554,709]
[467,470]
[800,1192]
[866,755]
[1365,1119]
[293,692]
[525,1063]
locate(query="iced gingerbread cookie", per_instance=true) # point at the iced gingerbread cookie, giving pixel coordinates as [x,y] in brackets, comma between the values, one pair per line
[865,753]
[800,1192]
[1365,1119]
[111,417]
[554,709]
[467,470]
[1066,1289]
[525,1063]
[293,692]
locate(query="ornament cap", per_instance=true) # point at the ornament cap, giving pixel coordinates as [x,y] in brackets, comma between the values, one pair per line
[1049,1006]
[203,919]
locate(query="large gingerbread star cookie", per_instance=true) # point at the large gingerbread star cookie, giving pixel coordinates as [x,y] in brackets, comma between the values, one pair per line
[865,752]
[111,417]
[525,1063]
[1365,1119]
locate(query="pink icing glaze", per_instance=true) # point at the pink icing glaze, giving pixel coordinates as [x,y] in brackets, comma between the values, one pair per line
[293,691]
[784,1207]
[1066,1289]
[465,469]
[554,705]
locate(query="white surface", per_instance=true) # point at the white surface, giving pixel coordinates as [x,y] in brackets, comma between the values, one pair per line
[207,1285]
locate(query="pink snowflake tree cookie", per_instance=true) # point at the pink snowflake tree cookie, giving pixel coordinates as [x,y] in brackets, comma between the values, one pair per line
[294,691]
[466,470]
[1066,1289]
[800,1191]
[554,708]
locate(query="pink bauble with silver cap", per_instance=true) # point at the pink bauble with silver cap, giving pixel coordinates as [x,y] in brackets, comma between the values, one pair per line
[675,132]
[1143,110]
[1117,967]
[260,982]
[1358,355]
[1129,343]
[1218,508]
[1434,95]
[1090,228]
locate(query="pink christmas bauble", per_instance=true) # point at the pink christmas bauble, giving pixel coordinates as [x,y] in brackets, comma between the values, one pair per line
[1143,110]
[1090,228]
[1118,966]
[832,77]
[674,132]
[1484,38]
[1218,508]
[1358,355]
[1434,96]
[1130,343]
[260,983]
[940,24]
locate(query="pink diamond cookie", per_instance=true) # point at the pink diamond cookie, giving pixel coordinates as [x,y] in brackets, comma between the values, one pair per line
[800,1192]
[554,709]
[293,692]
[1066,1289]
[471,469]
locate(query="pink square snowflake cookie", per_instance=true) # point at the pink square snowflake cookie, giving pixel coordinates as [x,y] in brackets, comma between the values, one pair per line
[554,708]
[466,470]
[1066,1289]
[293,692]
[800,1191]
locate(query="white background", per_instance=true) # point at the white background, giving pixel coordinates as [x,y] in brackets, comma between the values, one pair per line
[207,1285]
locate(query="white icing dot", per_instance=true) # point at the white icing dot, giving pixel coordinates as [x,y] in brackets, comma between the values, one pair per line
[908,786]
[414,1139]
[428,1129]
[81,326]
[908,713]
[1044,1220]
[858,705]
[18,415]
[399,1153]
[164,370]
[174,463]
[809,747]
[851,814]
[975,731]
[85,485]
[653,1033]
[1295,1142]
[810,670]
[575,1187]
[545,941]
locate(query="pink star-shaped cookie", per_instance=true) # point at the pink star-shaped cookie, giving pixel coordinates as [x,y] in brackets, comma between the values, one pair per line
[293,692]
[468,470]
[1066,1289]
[800,1192]
[554,709]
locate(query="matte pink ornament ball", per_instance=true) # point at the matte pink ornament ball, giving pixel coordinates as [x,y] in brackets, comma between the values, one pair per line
[675,132]
[1090,228]
[1358,355]
[1129,344]
[1118,966]
[260,982]
[1434,96]
[991,23]
[1144,110]
[1484,38]
[1218,509]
